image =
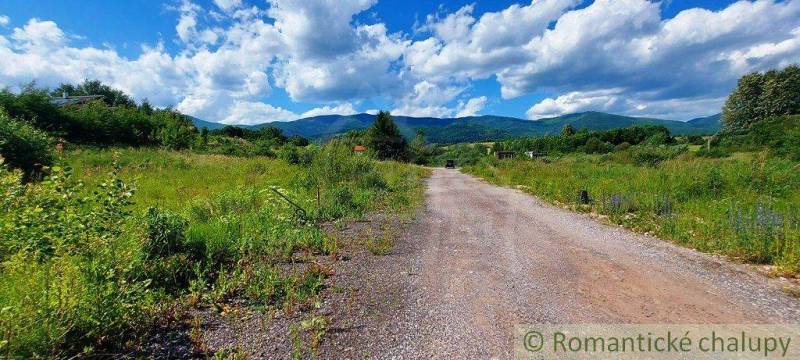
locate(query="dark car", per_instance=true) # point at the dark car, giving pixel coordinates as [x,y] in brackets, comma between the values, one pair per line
[450,164]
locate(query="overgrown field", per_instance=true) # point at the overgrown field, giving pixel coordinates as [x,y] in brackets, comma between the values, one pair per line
[746,206]
[95,253]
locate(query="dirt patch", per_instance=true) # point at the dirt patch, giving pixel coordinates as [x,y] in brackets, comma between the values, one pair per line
[360,294]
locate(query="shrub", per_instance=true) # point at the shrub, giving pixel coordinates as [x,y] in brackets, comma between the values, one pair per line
[653,155]
[23,147]
[169,257]
[596,146]
[67,283]
[715,152]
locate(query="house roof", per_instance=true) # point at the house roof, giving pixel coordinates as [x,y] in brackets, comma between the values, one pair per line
[74,100]
[359,148]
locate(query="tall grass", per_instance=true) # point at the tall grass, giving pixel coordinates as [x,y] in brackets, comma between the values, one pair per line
[92,255]
[746,206]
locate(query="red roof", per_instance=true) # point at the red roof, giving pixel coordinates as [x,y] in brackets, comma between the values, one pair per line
[359,148]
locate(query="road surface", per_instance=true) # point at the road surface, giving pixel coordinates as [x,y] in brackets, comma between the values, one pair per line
[482,258]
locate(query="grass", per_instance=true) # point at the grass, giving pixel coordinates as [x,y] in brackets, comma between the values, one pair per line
[746,206]
[91,259]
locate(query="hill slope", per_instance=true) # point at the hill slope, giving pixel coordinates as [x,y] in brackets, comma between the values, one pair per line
[480,128]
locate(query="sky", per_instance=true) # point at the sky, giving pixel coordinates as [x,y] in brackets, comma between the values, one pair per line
[256,61]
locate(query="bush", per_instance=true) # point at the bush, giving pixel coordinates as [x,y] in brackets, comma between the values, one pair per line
[714,152]
[169,257]
[653,155]
[296,155]
[67,282]
[23,147]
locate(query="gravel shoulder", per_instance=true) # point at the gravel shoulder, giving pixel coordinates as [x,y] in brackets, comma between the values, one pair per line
[481,258]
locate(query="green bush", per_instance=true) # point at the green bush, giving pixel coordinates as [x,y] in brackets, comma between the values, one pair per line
[169,257]
[714,152]
[23,147]
[780,135]
[653,155]
[67,283]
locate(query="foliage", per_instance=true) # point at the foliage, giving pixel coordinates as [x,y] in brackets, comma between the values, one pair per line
[590,142]
[23,147]
[779,135]
[759,96]
[420,151]
[85,268]
[385,140]
[462,154]
[113,121]
[65,282]
[112,97]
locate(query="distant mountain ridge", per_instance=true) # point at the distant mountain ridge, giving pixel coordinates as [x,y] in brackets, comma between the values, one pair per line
[478,128]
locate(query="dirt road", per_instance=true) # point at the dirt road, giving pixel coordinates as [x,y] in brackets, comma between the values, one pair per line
[483,258]
[492,257]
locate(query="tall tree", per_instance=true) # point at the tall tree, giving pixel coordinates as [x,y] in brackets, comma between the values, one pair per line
[385,139]
[567,130]
[760,95]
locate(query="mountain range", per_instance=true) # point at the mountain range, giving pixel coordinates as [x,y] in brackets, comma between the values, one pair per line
[477,128]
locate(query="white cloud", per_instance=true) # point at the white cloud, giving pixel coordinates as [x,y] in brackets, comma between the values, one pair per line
[4,20]
[599,100]
[428,100]
[623,44]
[617,56]
[341,109]
[251,113]
[39,35]
[472,107]
[228,5]
[618,102]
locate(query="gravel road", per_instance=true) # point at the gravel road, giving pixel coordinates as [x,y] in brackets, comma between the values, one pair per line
[482,258]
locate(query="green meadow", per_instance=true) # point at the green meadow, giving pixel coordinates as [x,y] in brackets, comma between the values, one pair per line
[112,239]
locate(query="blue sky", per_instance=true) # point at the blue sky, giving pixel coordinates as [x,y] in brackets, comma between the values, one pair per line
[241,61]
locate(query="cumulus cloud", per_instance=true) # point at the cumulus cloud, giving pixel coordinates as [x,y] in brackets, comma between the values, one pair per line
[228,5]
[617,101]
[328,58]
[472,107]
[618,56]
[4,20]
[613,44]
[341,109]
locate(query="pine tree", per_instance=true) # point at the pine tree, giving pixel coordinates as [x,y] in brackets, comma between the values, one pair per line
[385,139]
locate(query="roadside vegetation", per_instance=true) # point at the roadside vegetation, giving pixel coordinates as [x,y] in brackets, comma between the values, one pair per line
[115,216]
[735,193]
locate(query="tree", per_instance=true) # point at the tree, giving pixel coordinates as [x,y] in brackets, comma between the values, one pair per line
[420,151]
[567,130]
[384,138]
[760,95]
[297,140]
[273,134]
[111,96]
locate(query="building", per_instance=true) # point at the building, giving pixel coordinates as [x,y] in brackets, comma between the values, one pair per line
[65,100]
[505,155]
[359,149]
